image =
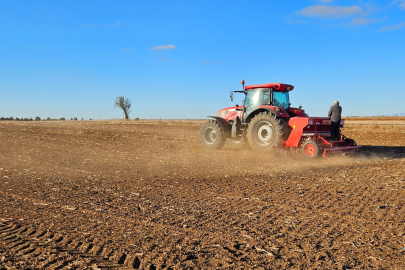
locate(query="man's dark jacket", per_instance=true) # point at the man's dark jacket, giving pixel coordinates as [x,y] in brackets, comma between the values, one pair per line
[335,113]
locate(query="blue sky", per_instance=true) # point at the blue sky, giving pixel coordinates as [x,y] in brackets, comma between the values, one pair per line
[180,59]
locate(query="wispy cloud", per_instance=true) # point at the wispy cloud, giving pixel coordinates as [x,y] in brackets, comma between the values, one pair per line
[213,61]
[401,5]
[164,47]
[365,21]
[127,49]
[164,59]
[117,24]
[347,16]
[90,25]
[393,27]
[324,11]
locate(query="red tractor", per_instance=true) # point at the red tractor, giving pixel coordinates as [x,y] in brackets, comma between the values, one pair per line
[268,123]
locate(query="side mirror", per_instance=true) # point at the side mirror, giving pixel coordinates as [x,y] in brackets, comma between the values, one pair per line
[231,97]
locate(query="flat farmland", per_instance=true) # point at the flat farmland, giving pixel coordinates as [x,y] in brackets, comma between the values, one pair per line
[145,195]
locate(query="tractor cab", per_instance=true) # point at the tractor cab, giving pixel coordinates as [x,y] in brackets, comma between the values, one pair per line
[271,96]
[265,97]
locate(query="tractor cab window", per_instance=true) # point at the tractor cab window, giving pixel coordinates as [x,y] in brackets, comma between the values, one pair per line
[266,97]
[281,98]
[255,98]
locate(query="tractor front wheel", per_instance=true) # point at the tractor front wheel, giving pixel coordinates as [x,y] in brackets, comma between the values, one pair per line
[265,132]
[211,135]
[311,149]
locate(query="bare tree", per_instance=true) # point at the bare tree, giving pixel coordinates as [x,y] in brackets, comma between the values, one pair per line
[124,104]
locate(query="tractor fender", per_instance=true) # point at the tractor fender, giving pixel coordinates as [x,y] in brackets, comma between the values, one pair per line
[226,127]
[256,112]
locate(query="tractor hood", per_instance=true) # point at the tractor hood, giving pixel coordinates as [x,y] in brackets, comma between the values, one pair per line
[230,113]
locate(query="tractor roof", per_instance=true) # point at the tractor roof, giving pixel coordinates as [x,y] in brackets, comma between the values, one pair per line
[281,87]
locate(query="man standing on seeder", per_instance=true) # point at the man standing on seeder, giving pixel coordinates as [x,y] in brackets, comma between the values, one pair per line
[334,115]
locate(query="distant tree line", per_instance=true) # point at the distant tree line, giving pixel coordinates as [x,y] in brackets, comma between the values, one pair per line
[36,119]
[15,119]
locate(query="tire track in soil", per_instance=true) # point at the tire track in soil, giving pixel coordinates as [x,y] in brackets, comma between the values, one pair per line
[46,243]
[49,250]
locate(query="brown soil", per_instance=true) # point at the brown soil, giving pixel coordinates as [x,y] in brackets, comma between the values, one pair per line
[146,195]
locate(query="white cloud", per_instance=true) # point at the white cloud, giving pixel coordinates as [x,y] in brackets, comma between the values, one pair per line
[364,21]
[164,47]
[402,5]
[393,27]
[325,11]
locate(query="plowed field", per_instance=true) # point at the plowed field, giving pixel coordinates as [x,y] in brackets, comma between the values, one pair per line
[146,195]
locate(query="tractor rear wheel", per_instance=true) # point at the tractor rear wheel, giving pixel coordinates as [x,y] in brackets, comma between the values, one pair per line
[310,149]
[265,132]
[211,135]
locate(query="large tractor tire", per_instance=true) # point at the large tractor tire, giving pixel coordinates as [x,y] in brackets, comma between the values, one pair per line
[265,132]
[212,135]
[310,149]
